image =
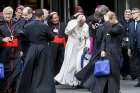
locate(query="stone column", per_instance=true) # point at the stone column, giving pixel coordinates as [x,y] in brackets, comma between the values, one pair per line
[41,3]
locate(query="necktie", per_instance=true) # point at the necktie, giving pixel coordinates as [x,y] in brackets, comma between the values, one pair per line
[136,25]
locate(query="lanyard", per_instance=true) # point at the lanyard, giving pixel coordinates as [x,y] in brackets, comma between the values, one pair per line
[11,30]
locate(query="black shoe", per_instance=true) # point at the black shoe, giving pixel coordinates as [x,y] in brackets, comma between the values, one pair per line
[56,83]
[137,85]
[124,78]
[78,87]
[133,77]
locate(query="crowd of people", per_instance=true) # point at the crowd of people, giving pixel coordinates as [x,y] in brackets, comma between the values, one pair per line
[38,51]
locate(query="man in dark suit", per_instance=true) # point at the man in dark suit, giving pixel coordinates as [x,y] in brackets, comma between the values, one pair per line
[27,17]
[134,43]
[125,69]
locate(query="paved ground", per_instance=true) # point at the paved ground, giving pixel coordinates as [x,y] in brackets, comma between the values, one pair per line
[126,87]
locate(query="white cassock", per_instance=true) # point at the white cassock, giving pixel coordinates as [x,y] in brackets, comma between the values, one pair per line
[78,39]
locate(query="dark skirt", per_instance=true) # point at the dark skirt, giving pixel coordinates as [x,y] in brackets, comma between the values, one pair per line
[37,75]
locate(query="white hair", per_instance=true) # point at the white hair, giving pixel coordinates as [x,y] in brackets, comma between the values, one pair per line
[46,12]
[8,9]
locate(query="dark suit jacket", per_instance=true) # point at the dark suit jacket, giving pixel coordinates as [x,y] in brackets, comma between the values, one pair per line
[134,36]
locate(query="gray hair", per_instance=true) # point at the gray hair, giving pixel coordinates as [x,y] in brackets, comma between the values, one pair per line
[8,9]
[127,11]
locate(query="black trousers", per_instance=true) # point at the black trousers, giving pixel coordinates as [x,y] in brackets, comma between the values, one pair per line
[125,69]
[135,64]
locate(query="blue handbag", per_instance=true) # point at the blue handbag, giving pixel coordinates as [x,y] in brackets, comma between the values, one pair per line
[1,71]
[102,68]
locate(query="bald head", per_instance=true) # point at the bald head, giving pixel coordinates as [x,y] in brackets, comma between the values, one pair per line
[27,13]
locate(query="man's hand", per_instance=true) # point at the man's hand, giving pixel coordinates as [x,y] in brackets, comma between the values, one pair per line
[6,39]
[129,53]
[77,14]
[81,19]
[103,53]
